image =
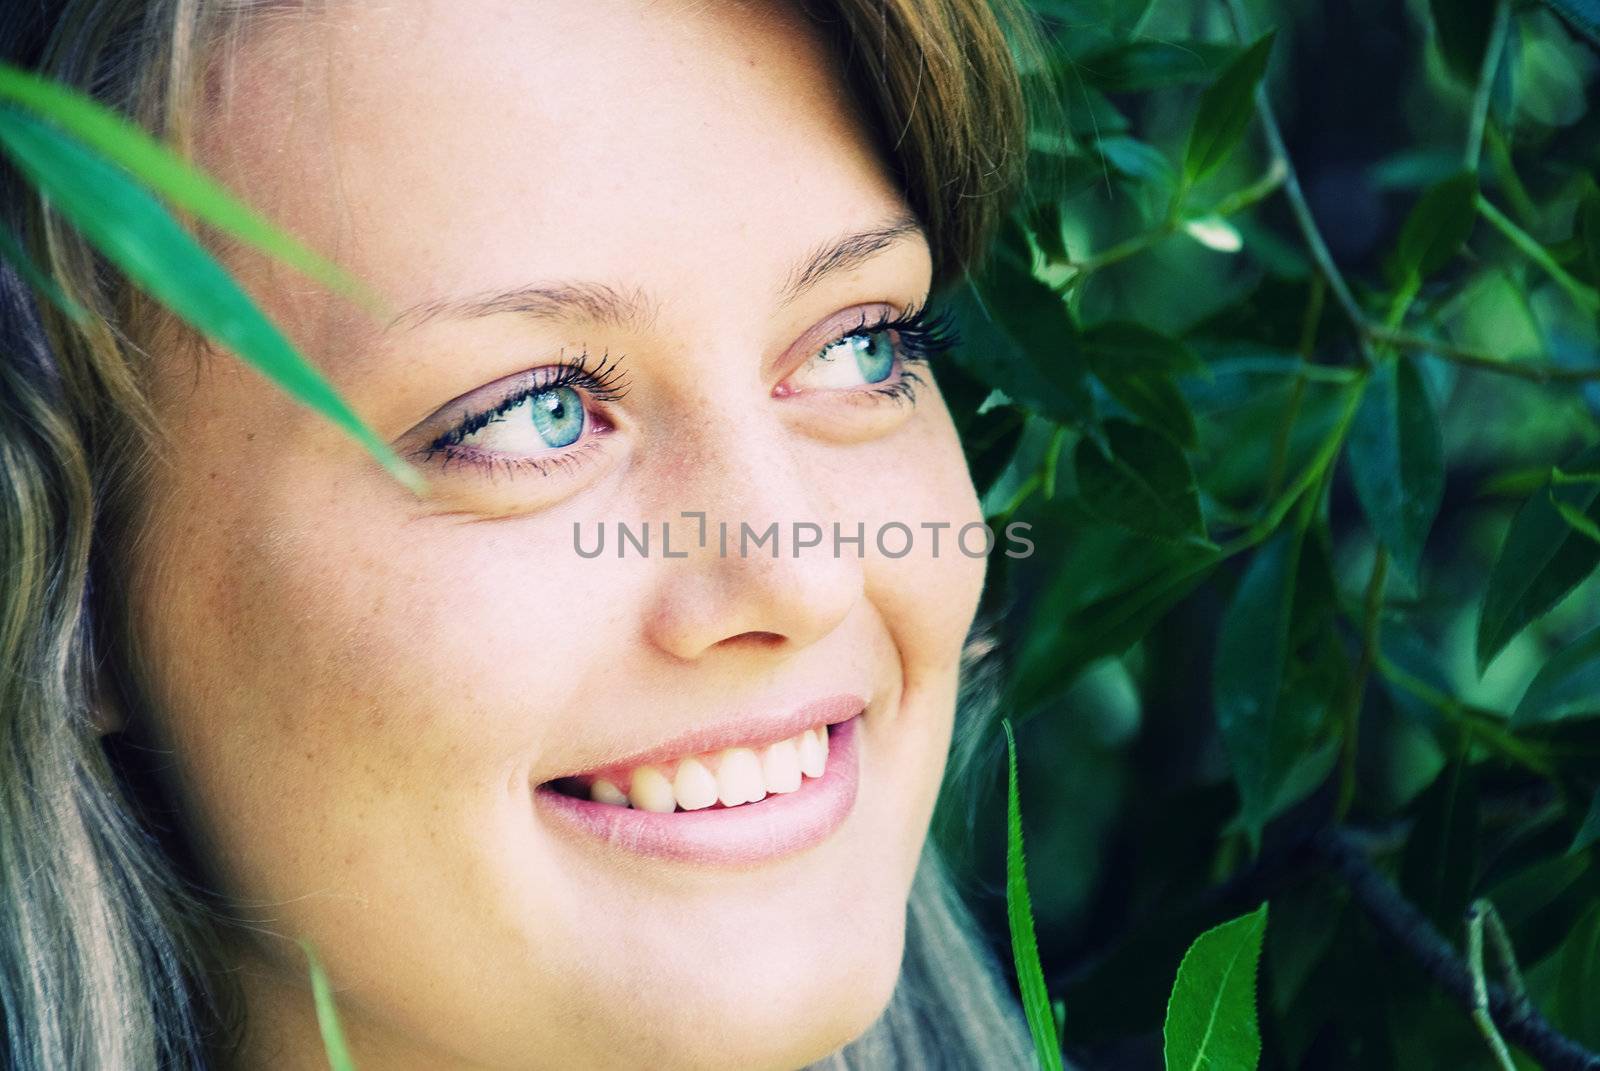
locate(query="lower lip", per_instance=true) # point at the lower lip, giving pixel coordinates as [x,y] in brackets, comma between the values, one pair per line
[777,826]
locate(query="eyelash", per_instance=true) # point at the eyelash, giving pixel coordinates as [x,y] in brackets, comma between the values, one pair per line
[922,336]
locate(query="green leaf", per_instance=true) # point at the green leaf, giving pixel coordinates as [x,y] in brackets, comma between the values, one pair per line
[1225,110]
[1438,871]
[1566,687]
[1122,342]
[1589,832]
[333,1042]
[1247,681]
[1144,484]
[1436,229]
[1136,365]
[1145,64]
[121,142]
[1462,27]
[1019,913]
[1542,559]
[1396,454]
[1582,15]
[135,232]
[1211,1017]
[1105,589]
[1018,337]
[1581,522]
[1576,1005]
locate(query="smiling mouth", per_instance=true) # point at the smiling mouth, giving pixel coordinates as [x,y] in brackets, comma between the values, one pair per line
[731,777]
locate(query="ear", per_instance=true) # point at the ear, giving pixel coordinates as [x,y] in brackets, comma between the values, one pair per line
[106,712]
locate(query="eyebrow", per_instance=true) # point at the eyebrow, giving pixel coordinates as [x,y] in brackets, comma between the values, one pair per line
[630,307]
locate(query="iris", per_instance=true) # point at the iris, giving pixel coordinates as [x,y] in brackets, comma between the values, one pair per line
[557,416]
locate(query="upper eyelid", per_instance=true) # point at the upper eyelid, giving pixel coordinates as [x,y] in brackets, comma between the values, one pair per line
[607,380]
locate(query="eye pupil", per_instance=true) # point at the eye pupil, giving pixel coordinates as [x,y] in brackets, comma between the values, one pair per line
[557,416]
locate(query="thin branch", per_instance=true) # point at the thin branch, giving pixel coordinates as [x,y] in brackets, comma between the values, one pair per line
[1232,204]
[1403,924]
[1480,988]
[1297,200]
[1480,98]
[1506,170]
[1482,726]
[1535,371]
[1583,296]
[1371,619]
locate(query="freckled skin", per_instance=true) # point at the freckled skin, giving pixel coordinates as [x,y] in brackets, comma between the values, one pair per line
[360,688]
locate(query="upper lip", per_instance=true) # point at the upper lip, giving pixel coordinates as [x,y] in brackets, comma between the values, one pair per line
[750,730]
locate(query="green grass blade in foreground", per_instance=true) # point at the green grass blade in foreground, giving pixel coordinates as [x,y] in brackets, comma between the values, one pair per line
[333,1042]
[136,233]
[1211,1017]
[1019,912]
[123,143]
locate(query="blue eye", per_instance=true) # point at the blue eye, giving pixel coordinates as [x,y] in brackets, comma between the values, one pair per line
[557,416]
[863,359]
[874,354]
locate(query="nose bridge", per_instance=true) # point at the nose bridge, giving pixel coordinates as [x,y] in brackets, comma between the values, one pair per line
[738,486]
[735,463]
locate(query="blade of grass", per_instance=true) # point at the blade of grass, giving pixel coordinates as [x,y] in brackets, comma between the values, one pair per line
[133,230]
[125,144]
[333,1042]
[1019,912]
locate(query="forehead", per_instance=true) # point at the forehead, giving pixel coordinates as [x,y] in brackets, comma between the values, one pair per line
[436,147]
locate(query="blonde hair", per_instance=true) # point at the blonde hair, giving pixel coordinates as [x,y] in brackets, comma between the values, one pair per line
[111,952]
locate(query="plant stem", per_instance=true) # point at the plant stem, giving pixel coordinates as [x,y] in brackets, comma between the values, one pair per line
[1399,920]
[1535,371]
[1480,98]
[1480,990]
[1310,478]
[1506,171]
[1051,456]
[1584,296]
[1370,623]
[1480,725]
[1297,201]
[1232,204]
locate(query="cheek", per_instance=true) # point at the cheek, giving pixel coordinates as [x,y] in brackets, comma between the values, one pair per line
[914,488]
[330,681]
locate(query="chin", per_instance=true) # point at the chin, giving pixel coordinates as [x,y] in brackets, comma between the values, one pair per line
[778,1013]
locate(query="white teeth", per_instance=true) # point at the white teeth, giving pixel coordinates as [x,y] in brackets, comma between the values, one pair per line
[780,766]
[813,753]
[694,785]
[651,791]
[742,775]
[739,777]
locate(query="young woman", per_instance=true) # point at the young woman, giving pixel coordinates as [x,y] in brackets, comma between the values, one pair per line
[645,264]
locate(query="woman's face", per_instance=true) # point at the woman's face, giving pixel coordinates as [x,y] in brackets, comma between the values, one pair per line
[383,708]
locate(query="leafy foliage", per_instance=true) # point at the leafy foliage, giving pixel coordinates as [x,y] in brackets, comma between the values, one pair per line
[1319,530]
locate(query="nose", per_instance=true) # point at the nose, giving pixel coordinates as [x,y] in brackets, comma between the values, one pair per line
[750,583]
